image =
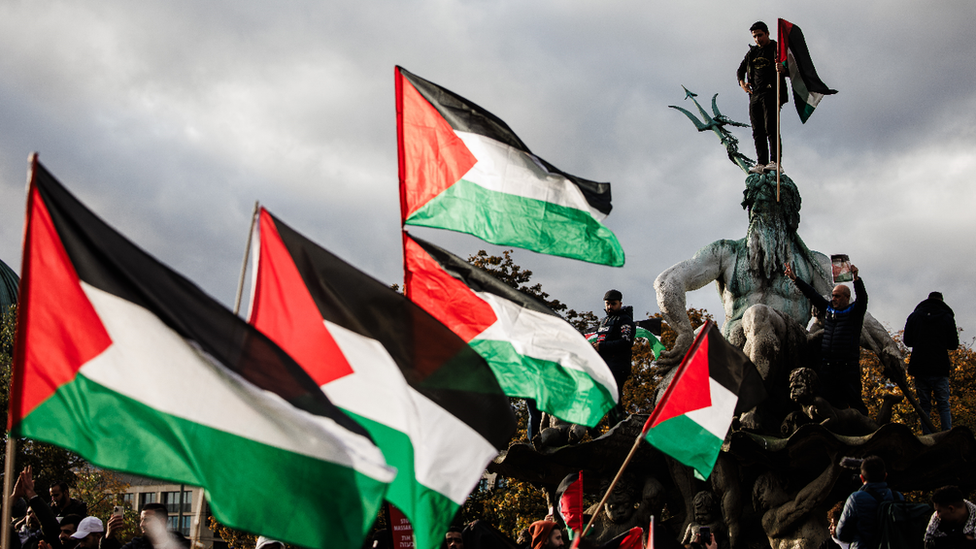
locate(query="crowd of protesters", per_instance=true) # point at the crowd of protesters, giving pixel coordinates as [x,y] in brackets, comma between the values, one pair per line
[64,523]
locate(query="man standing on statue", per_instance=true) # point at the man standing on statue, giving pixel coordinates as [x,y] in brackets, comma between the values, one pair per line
[614,342]
[931,333]
[840,371]
[757,77]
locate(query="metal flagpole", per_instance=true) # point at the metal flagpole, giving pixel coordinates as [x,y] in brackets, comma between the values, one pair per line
[247,253]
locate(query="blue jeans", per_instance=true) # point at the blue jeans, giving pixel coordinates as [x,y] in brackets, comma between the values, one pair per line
[935,388]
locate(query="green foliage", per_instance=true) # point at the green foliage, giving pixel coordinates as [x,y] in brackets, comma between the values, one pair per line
[50,463]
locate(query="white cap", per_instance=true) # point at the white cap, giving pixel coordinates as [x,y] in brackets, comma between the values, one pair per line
[262,541]
[87,526]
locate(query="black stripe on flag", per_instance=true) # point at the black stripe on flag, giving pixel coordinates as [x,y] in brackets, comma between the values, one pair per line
[466,116]
[479,280]
[105,259]
[733,370]
[433,359]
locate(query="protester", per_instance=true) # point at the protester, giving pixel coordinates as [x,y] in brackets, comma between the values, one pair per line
[69,525]
[858,524]
[931,333]
[840,348]
[152,524]
[614,343]
[954,522]
[453,538]
[546,535]
[833,516]
[89,534]
[63,504]
[757,77]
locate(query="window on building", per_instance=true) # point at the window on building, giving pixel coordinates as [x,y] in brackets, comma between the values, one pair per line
[184,529]
[172,501]
[128,500]
[146,497]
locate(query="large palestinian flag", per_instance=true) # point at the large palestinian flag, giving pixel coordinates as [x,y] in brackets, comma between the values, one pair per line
[533,352]
[714,382]
[129,364]
[808,88]
[463,169]
[431,403]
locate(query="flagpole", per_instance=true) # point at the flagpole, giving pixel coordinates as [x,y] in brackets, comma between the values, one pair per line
[647,425]
[779,142]
[247,253]
[11,445]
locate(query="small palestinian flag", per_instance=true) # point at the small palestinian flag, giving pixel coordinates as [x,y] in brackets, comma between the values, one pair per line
[714,382]
[569,493]
[631,539]
[533,352]
[808,89]
[463,169]
[642,333]
[429,401]
[130,365]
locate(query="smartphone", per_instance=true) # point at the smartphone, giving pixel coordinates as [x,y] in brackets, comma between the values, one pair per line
[705,534]
[117,510]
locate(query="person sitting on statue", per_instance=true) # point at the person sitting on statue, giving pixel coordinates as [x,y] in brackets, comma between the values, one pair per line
[757,77]
[840,347]
[614,343]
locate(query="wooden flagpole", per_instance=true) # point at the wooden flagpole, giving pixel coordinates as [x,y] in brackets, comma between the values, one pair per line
[247,253]
[650,420]
[779,143]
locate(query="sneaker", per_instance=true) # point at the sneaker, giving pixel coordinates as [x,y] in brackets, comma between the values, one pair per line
[758,168]
[772,167]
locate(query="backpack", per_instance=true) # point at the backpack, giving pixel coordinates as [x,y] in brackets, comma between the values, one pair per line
[902,524]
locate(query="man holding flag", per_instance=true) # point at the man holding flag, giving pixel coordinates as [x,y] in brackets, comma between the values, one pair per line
[757,77]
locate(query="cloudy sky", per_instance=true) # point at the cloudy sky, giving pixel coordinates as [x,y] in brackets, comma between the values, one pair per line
[169,119]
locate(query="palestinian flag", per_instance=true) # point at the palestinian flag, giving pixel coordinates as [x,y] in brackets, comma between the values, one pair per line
[127,363]
[533,352]
[641,333]
[631,539]
[808,88]
[463,169]
[714,382]
[570,497]
[431,403]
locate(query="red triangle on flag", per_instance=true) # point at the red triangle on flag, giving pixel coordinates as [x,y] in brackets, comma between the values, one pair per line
[688,390]
[284,310]
[432,157]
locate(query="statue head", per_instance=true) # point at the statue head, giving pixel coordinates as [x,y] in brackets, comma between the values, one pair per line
[633,493]
[772,224]
[623,500]
[704,504]
[803,384]
[768,492]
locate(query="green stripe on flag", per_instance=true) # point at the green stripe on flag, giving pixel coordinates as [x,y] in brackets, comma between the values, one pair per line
[570,395]
[687,442]
[430,512]
[120,433]
[510,220]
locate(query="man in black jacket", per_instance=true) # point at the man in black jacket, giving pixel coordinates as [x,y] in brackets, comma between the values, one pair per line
[614,340]
[840,370]
[757,77]
[931,333]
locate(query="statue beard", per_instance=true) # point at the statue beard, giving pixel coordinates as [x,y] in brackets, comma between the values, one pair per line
[768,241]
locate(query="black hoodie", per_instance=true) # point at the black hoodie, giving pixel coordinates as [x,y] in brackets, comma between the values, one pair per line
[931,333]
[616,337]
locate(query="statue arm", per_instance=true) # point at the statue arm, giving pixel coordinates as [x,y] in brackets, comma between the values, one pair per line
[789,514]
[671,286]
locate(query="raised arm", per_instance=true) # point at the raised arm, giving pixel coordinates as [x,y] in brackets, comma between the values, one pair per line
[672,285]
